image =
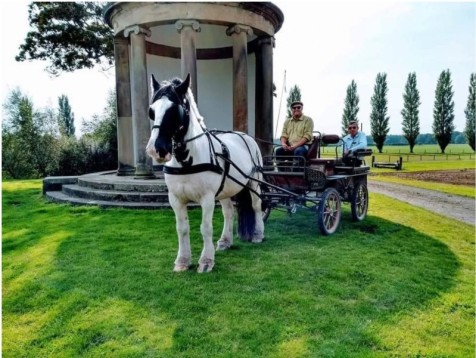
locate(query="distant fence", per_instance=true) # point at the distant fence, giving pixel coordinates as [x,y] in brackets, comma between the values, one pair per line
[421,157]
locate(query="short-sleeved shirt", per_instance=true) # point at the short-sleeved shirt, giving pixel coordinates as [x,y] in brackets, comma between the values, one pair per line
[296,128]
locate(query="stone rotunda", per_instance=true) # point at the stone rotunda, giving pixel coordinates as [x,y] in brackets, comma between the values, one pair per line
[226,47]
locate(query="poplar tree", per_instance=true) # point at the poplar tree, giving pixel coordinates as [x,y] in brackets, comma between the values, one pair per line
[378,117]
[470,112]
[410,111]
[443,111]
[294,95]
[65,117]
[351,107]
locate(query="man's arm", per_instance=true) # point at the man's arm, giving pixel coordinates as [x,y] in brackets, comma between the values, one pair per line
[360,141]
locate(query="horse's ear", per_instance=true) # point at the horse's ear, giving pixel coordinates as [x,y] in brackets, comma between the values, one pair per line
[183,87]
[154,84]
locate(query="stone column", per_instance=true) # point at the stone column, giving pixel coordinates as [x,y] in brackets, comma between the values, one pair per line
[239,35]
[187,30]
[140,99]
[264,94]
[125,149]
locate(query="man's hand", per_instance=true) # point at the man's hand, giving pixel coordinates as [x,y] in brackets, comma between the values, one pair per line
[286,147]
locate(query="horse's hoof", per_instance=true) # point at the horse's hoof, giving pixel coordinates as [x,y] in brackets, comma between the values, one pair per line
[257,240]
[181,268]
[223,245]
[206,267]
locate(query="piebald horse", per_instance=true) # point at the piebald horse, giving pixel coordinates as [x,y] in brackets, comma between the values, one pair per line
[203,166]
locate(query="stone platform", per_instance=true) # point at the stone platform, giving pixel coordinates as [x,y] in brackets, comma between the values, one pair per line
[106,189]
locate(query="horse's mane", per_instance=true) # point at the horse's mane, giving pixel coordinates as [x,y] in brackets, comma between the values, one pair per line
[194,108]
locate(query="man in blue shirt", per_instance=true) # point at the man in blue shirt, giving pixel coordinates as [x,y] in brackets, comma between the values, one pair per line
[352,141]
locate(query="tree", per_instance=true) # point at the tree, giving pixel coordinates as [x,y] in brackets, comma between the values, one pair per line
[378,116]
[443,111]
[71,35]
[470,112]
[101,134]
[65,117]
[351,107]
[411,102]
[28,149]
[294,95]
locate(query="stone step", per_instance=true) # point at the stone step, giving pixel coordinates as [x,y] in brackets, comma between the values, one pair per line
[60,197]
[106,181]
[84,192]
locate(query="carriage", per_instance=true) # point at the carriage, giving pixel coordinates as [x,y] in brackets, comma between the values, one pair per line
[317,184]
[203,166]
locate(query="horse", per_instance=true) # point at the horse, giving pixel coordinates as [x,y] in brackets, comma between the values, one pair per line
[203,166]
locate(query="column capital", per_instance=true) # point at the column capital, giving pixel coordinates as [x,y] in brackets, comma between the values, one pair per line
[238,28]
[194,24]
[268,40]
[137,30]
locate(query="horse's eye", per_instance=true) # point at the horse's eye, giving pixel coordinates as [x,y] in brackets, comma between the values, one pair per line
[151,114]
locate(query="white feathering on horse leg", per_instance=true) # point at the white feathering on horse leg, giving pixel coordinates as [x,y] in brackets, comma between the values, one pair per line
[182,264]
[205,266]
[223,244]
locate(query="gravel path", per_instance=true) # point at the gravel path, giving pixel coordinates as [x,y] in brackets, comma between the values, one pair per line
[453,206]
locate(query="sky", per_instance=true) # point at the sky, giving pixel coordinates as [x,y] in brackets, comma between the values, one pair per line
[321,47]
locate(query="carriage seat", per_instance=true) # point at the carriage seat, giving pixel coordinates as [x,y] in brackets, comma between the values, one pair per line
[316,142]
[354,163]
[362,152]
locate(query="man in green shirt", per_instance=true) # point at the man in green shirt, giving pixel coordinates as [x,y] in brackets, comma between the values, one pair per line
[296,136]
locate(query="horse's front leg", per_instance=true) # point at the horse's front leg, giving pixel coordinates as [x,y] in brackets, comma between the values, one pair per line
[226,239]
[184,255]
[207,258]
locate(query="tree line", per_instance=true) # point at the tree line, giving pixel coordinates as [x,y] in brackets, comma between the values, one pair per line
[39,143]
[443,113]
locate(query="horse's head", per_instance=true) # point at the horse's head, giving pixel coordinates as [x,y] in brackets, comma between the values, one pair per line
[169,110]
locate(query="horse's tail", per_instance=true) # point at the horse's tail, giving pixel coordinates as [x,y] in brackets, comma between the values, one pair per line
[246,215]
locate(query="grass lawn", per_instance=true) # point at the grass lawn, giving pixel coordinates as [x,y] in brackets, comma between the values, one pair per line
[84,281]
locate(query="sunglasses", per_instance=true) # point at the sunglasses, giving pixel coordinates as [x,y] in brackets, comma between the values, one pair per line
[296,108]
[352,127]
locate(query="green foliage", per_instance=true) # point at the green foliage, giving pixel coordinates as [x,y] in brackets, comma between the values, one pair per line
[378,116]
[351,107]
[101,132]
[32,148]
[470,112]
[28,148]
[411,102]
[82,281]
[294,95]
[65,117]
[443,111]
[70,35]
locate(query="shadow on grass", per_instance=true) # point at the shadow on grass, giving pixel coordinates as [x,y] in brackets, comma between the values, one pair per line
[81,280]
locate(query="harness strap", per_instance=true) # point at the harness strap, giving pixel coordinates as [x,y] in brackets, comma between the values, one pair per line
[226,156]
[198,168]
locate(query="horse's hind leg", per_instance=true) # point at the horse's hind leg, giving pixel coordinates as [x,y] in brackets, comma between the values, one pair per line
[258,233]
[207,258]
[226,239]
[184,255]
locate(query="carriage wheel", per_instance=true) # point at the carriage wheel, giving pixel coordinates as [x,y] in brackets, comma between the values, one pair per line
[265,204]
[359,202]
[266,212]
[329,211]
